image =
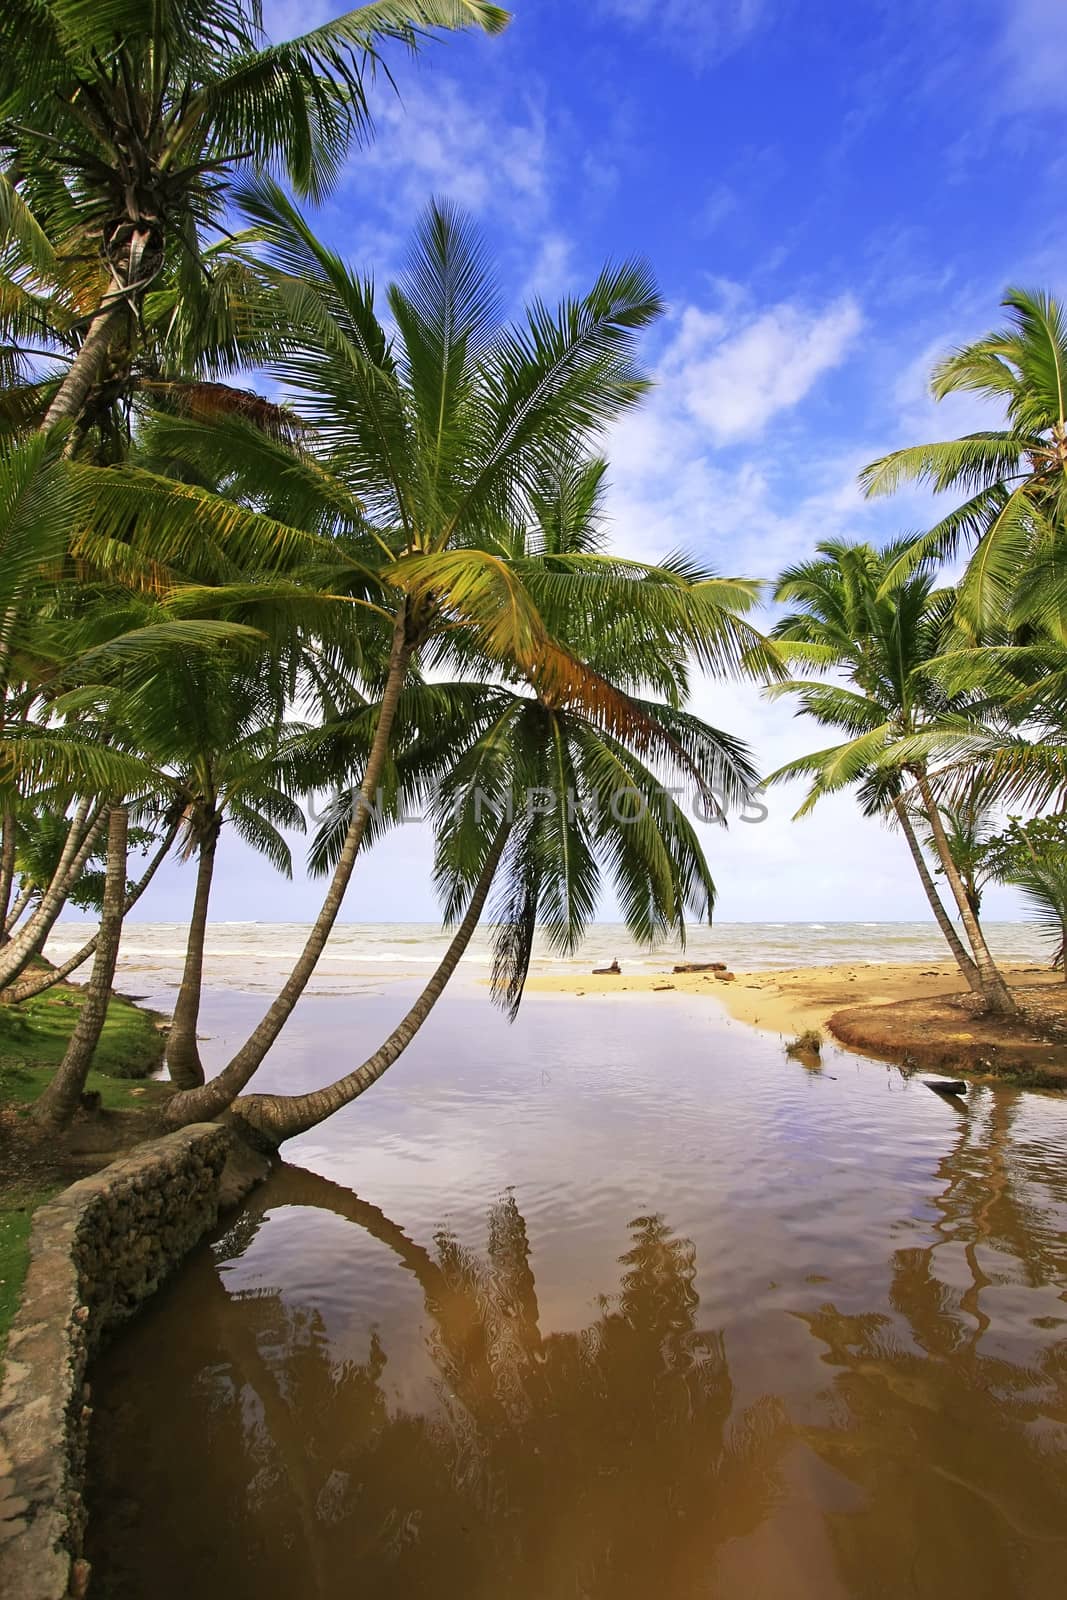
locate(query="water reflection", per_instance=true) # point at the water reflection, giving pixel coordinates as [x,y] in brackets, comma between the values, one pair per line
[239,1451]
[590,1463]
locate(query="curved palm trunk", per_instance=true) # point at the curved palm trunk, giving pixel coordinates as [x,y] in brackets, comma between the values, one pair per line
[60,1100]
[17,909]
[991,985]
[45,980]
[277,1117]
[212,1098]
[17,954]
[183,1057]
[83,374]
[944,921]
[7,869]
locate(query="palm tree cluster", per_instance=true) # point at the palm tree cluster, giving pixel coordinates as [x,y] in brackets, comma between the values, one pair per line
[942,658]
[392,586]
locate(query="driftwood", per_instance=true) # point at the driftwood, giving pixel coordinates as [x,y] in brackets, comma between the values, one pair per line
[946,1085]
[701,966]
[614,971]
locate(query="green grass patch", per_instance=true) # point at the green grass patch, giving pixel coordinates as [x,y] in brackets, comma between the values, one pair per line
[33,1037]
[16,1211]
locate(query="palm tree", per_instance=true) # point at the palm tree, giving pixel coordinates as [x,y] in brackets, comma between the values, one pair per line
[429,447]
[542,794]
[56,1106]
[120,121]
[48,977]
[107,575]
[1032,857]
[1014,478]
[968,823]
[881,636]
[546,798]
[232,768]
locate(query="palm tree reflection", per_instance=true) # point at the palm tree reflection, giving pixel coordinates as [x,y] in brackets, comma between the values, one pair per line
[950,1407]
[614,1460]
[596,1462]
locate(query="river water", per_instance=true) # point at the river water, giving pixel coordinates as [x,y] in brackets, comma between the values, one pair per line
[618,1302]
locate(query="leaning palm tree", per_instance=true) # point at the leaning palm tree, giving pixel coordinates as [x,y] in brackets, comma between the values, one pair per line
[426,449]
[120,120]
[218,726]
[158,840]
[1014,478]
[968,820]
[56,1105]
[539,807]
[100,572]
[881,637]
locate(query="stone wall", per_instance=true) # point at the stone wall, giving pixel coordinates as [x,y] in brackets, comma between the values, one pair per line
[97,1251]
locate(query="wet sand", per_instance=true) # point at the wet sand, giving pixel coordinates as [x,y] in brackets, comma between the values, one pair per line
[789,1001]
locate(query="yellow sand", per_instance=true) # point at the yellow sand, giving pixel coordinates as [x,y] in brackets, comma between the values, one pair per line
[789,1000]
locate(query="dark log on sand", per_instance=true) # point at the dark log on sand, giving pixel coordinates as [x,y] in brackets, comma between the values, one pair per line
[946,1085]
[701,966]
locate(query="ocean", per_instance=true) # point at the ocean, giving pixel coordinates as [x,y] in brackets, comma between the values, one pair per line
[255,956]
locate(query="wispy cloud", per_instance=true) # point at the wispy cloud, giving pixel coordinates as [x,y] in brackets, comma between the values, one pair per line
[1033,51]
[702,29]
[551,273]
[284,19]
[736,379]
[436,140]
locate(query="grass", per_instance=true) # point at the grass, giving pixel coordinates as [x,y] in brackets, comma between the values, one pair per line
[33,1037]
[17,1206]
[805,1044]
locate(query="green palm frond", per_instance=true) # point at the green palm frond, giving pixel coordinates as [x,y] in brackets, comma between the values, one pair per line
[977,462]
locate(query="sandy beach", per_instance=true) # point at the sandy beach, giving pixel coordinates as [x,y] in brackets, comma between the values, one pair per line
[789,1001]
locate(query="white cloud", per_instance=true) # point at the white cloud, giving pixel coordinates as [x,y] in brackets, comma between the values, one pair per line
[435,140]
[551,272]
[734,379]
[720,204]
[285,19]
[701,29]
[1033,48]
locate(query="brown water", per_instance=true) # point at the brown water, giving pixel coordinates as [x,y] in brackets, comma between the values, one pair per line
[619,1303]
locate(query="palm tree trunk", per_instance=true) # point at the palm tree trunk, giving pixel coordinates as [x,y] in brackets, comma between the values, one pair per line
[18,908]
[941,916]
[183,1057]
[45,980]
[993,989]
[60,1100]
[84,371]
[7,869]
[277,1117]
[17,954]
[212,1098]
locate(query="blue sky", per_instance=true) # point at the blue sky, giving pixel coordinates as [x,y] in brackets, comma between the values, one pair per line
[830,194]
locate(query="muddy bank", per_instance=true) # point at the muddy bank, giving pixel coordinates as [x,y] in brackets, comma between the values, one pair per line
[945,1032]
